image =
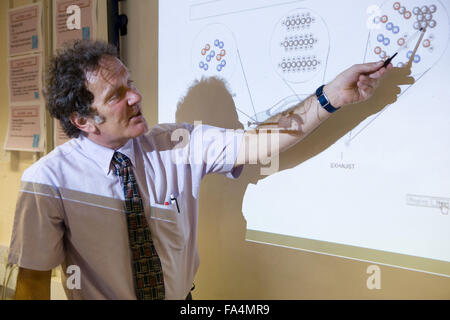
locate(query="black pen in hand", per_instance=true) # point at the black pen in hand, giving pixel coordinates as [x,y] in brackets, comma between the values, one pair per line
[386,63]
[422,31]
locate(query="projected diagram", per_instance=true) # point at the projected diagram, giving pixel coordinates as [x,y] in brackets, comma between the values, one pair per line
[397,29]
[300,46]
[397,25]
[298,50]
[214,52]
[373,186]
[400,21]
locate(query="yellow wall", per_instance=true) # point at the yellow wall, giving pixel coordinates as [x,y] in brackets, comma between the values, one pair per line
[230,268]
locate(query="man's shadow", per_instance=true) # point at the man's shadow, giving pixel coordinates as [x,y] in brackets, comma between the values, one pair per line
[222,226]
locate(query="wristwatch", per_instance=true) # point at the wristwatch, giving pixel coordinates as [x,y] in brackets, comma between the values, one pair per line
[323,100]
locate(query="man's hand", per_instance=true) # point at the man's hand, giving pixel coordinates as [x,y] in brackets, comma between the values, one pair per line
[356,84]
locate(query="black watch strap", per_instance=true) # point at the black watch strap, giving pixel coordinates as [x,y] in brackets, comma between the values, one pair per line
[323,100]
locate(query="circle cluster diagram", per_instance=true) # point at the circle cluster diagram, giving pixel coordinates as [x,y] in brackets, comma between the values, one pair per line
[210,56]
[401,21]
[214,52]
[299,45]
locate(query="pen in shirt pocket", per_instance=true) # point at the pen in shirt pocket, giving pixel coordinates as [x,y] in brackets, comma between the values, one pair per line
[173,199]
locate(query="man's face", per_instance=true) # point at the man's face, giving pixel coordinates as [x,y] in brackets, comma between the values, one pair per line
[117,101]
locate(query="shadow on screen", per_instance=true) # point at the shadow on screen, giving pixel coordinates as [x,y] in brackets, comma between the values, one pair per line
[211,101]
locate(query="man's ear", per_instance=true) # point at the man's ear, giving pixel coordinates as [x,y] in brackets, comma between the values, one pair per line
[83,123]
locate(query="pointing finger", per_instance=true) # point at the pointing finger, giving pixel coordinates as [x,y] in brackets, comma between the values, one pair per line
[368,67]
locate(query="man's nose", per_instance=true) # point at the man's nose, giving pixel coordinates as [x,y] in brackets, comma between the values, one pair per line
[133,96]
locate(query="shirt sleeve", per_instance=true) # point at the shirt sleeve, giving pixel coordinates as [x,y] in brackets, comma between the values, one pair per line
[215,150]
[38,230]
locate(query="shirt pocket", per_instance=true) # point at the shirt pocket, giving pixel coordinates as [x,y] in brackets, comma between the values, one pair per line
[169,225]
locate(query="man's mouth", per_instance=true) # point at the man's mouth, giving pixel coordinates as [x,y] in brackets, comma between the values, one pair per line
[138,114]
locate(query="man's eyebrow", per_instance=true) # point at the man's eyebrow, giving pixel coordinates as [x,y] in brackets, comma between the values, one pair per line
[109,92]
[113,88]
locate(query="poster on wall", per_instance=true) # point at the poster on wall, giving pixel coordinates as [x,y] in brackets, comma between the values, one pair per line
[25,78]
[72,20]
[26,114]
[26,126]
[25,129]
[24,29]
[26,123]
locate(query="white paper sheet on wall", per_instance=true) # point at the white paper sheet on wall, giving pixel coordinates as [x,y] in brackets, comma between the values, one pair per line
[26,123]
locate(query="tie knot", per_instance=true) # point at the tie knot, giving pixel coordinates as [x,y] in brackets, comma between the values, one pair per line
[120,161]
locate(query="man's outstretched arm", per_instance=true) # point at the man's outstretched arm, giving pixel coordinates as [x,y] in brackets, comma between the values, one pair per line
[354,85]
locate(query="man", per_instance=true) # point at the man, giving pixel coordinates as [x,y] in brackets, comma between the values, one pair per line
[117,205]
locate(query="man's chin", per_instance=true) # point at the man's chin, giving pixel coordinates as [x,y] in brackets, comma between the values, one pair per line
[142,128]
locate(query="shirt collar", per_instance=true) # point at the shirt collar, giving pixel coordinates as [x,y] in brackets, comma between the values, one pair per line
[103,155]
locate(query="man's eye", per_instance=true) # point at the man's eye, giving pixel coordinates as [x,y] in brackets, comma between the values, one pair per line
[118,95]
[121,91]
[114,97]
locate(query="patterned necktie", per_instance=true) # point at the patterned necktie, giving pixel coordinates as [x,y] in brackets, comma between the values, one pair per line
[147,269]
